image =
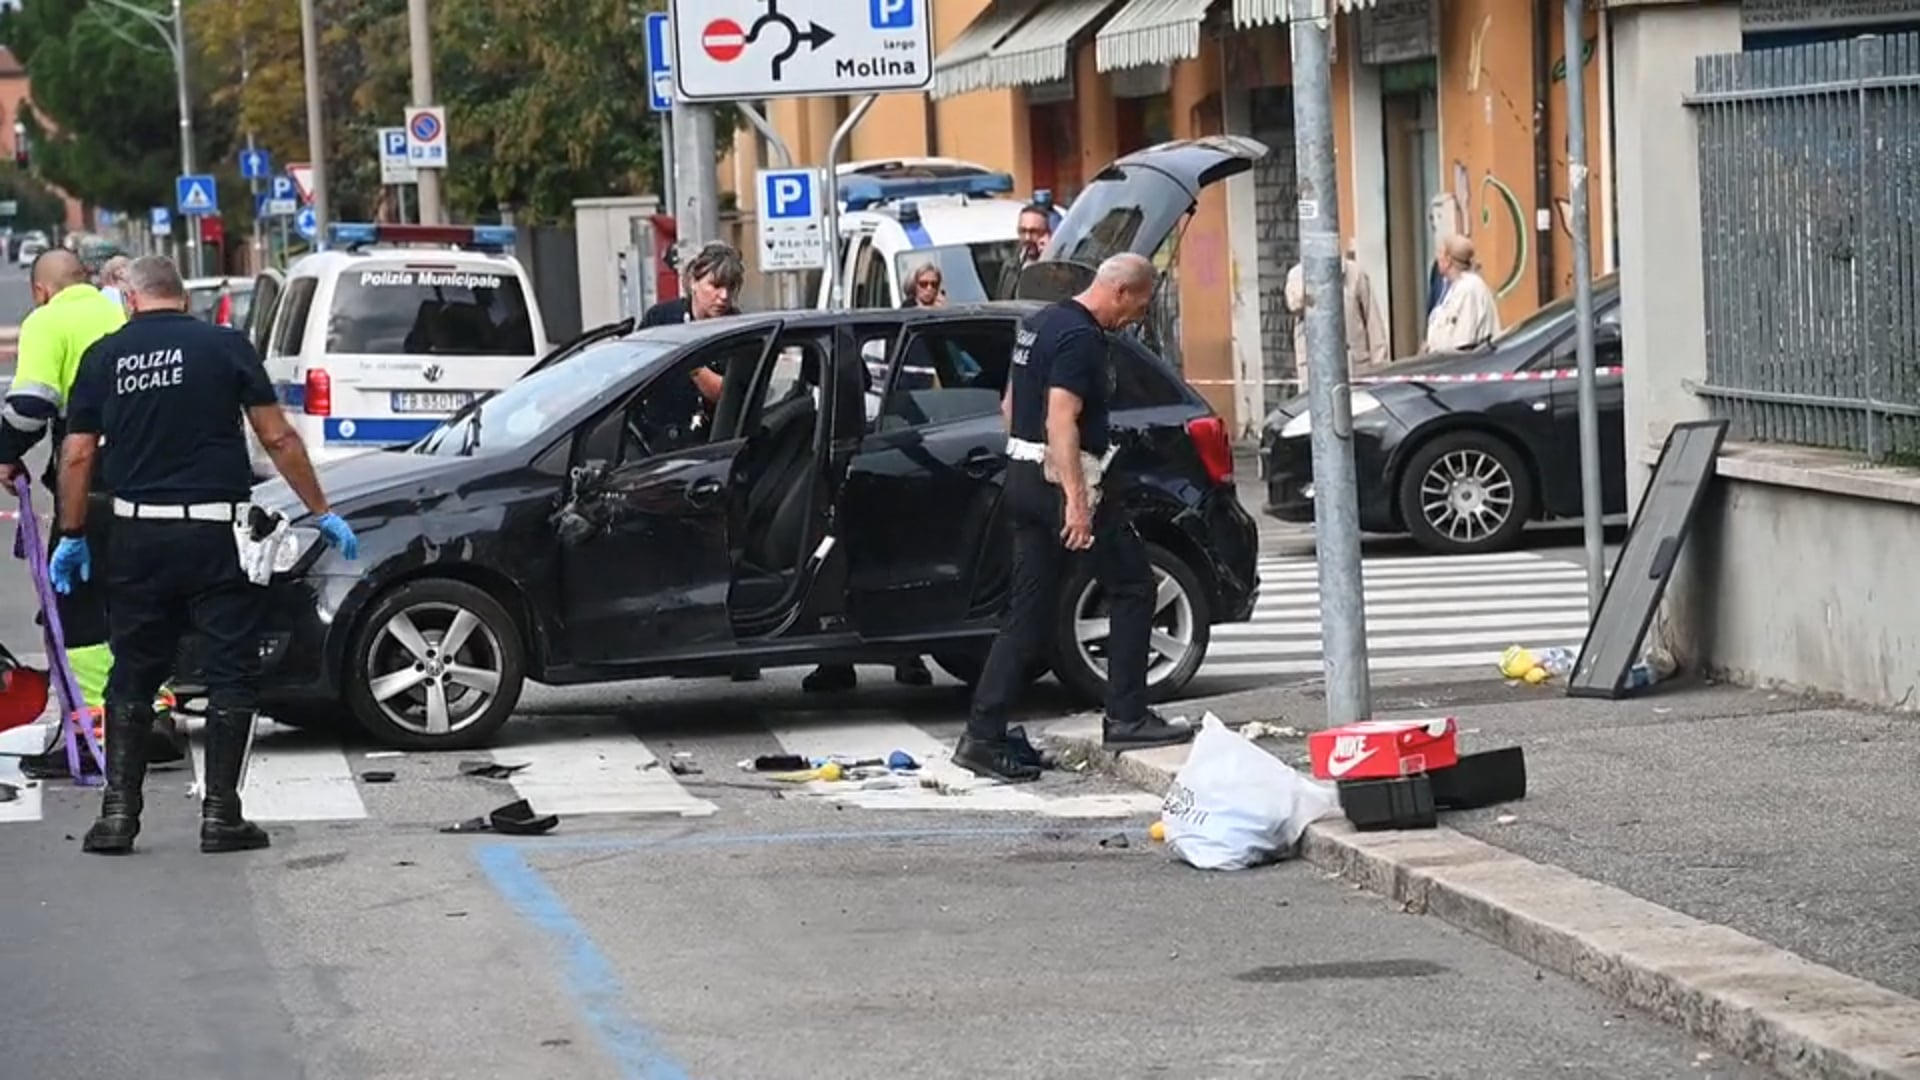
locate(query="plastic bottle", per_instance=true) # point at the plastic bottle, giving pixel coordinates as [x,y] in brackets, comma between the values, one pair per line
[1641,675]
[1558,660]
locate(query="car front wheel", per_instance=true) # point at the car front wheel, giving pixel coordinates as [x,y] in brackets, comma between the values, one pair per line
[1466,492]
[1182,627]
[437,665]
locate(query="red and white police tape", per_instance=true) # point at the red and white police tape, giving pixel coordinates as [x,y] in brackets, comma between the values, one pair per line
[1480,377]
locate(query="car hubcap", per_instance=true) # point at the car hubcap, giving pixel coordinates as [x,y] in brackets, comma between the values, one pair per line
[1467,495]
[434,668]
[1168,646]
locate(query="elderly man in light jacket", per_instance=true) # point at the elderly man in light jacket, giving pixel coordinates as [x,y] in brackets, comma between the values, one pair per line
[1367,342]
[1467,316]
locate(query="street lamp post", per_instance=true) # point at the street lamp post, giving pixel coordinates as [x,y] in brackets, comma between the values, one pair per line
[173,31]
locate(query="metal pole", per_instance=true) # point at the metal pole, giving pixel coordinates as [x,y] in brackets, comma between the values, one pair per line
[1336,501]
[836,289]
[1573,29]
[666,161]
[696,194]
[420,43]
[179,43]
[400,193]
[253,185]
[787,285]
[316,123]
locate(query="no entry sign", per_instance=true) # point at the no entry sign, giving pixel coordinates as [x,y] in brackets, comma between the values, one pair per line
[723,39]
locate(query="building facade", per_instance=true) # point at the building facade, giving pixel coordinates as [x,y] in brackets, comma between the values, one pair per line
[1449,117]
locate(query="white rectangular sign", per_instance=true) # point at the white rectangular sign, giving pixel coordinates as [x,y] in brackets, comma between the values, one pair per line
[793,226]
[426,137]
[728,50]
[394,166]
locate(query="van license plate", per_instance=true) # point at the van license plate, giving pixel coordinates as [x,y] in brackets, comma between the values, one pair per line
[414,401]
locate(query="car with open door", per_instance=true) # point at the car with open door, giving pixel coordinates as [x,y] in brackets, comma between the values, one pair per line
[598,520]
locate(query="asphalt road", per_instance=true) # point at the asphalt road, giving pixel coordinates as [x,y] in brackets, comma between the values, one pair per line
[752,930]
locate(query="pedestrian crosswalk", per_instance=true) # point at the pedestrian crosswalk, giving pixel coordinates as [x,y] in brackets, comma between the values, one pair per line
[593,766]
[1458,611]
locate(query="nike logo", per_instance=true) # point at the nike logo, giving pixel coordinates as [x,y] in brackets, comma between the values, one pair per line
[1338,766]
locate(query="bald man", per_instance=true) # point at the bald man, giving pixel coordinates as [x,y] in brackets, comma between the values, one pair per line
[1467,315]
[1059,445]
[69,316]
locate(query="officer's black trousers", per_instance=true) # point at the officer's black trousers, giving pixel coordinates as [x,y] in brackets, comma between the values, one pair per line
[1037,512]
[168,578]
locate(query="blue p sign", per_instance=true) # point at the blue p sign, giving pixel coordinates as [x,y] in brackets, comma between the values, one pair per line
[789,195]
[890,14]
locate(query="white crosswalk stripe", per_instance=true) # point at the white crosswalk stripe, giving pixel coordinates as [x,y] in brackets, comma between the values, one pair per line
[584,767]
[1457,611]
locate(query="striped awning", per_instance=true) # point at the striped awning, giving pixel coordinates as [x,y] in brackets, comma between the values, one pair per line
[1249,13]
[1041,50]
[964,64]
[1151,33]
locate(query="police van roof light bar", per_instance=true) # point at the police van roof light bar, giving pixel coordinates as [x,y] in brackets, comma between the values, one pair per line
[355,235]
[866,192]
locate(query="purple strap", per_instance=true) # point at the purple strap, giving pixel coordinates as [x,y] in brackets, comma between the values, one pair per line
[76,727]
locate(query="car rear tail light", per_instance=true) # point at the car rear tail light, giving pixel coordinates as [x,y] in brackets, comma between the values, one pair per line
[319,396]
[1209,435]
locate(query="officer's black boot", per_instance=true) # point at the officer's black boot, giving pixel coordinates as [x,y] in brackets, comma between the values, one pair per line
[126,728]
[221,826]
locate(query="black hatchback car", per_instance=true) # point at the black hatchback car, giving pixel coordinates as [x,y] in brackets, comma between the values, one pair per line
[1462,450]
[593,523]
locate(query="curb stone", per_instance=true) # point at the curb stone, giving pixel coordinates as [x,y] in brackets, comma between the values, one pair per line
[1752,999]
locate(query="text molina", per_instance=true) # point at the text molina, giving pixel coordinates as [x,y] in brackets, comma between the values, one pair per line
[874,66]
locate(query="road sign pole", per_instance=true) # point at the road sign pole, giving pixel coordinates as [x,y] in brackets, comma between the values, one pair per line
[1574,25]
[419,37]
[836,289]
[253,186]
[667,200]
[1336,500]
[787,287]
[179,43]
[696,195]
[316,119]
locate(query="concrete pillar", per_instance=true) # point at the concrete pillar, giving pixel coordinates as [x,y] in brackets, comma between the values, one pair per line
[1093,113]
[1662,291]
[1243,258]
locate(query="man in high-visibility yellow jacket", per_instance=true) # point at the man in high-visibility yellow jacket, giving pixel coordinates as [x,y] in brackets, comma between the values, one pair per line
[69,315]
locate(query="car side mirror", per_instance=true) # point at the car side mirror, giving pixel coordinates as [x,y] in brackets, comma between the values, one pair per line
[581,515]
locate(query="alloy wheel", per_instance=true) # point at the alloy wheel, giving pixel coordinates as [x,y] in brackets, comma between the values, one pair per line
[1174,627]
[1467,495]
[434,667]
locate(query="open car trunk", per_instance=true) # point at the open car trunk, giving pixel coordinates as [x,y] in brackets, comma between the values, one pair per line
[1139,204]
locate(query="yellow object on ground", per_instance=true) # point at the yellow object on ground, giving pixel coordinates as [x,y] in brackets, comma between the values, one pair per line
[1157,832]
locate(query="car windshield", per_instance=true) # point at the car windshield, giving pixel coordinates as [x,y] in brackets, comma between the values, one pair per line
[530,408]
[1549,319]
[390,309]
[969,273]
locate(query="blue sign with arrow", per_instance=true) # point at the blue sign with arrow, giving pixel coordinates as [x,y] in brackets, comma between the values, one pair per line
[659,62]
[255,165]
[196,196]
[305,225]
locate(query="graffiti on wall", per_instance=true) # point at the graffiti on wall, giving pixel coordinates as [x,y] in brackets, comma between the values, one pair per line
[1490,212]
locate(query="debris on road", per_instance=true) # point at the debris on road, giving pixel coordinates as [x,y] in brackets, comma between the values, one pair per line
[374,755]
[514,819]
[489,770]
[1117,840]
[683,768]
[1234,806]
[1536,666]
[1259,729]
[377,776]
[1157,832]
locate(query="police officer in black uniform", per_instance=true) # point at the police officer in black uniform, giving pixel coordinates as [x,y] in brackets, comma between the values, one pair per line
[1056,408]
[713,278]
[166,395]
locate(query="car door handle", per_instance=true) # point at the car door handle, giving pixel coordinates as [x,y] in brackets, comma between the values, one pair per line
[703,492]
[981,464]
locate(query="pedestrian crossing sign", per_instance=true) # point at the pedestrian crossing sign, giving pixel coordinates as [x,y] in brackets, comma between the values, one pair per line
[197,195]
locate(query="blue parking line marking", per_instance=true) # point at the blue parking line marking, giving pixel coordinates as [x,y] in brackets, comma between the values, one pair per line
[590,977]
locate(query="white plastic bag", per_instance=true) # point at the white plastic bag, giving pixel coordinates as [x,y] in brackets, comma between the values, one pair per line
[1234,805]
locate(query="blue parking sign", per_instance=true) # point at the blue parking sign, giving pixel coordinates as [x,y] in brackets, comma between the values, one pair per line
[890,14]
[660,62]
[788,194]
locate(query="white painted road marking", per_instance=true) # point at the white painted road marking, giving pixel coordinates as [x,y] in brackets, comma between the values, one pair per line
[573,767]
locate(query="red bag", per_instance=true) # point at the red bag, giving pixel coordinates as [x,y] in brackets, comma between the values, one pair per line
[23,692]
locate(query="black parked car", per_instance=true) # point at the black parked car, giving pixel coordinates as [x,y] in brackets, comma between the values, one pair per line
[593,522]
[1462,450]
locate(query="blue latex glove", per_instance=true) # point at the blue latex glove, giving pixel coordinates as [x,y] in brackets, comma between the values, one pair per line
[70,557]
[338,533]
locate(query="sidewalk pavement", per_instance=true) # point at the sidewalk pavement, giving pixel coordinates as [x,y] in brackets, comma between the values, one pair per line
[1737,862]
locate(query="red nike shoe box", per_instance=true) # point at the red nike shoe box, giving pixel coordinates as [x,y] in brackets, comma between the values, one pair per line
[1381,749]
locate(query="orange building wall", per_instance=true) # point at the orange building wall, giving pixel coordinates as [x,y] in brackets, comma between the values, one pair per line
[1486,133]
[1206,295]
